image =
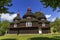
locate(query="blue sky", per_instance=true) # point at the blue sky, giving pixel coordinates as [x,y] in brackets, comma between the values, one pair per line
[35,5]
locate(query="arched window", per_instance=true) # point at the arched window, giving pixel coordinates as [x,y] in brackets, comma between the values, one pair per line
[28,17]
[28,24]
[43,24]
[15,25]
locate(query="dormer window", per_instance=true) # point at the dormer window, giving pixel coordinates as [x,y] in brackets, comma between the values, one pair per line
[42,19]
[43,24]
[28,24]
[15,25]
[28,17]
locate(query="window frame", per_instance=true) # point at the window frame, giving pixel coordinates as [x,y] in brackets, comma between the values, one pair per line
[28,24]
[28,17]
[42,19]
[43,24]
[15,25]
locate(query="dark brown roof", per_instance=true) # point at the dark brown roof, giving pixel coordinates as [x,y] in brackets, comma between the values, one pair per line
[17,17]
[24,20]
[29,13]
[29,9]
[15,22]
[44,21]
[41,15]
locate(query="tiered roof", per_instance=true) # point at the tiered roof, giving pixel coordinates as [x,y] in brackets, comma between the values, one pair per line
[28,13]
[17,17]
[41,15]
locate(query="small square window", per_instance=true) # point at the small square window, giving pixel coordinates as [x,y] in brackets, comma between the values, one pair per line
[43,24]
[15,25]
[28,24]
[28,17]
[42,19]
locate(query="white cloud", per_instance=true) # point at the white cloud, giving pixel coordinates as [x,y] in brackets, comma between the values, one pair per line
[48,16]
[53,19]
[8,17]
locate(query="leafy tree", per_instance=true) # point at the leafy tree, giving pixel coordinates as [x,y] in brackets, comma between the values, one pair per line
[52,3]
[4,4]
[3,26]
[55,25]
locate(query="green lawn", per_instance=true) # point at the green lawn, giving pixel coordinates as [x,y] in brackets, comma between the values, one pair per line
[30,37]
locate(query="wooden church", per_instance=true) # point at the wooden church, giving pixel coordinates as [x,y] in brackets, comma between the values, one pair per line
[29,24]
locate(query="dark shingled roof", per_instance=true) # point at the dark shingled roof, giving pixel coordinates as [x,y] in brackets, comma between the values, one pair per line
[24,20]
[15,22]
[41,15]
[17,17]
[44,21]
[29,13]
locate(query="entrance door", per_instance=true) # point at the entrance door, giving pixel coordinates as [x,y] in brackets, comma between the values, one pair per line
[40,31]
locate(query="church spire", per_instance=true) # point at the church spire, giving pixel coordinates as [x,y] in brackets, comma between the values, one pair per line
[28,13]
[18,16]
[29,9]
[18,13]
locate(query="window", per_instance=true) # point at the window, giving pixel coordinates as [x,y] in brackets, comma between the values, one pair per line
[15,25]
[28,17]
[43,24]
[42,19]
[28,24]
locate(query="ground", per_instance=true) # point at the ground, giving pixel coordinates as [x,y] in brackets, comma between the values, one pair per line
[30,37]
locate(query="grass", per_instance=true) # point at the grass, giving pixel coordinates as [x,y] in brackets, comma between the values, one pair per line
[30,37]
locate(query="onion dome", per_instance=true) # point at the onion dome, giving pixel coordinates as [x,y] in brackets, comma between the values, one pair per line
[29,9]
[28,13]
[41,16]
[17,18]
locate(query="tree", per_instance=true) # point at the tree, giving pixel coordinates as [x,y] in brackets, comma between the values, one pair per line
[52,3]
[4,4]
[55,25]
[4,26]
